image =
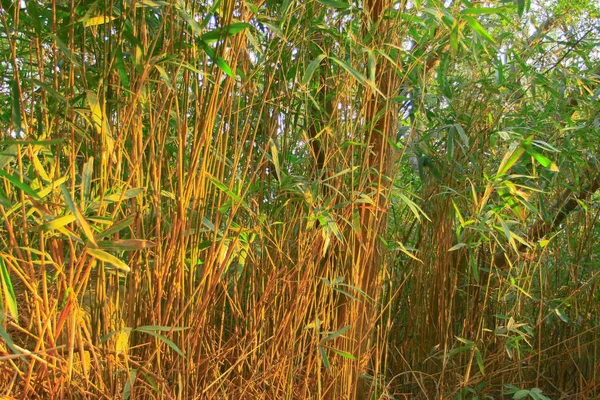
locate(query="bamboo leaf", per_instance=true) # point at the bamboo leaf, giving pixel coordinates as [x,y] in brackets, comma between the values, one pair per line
[310,70]
[224,32]
[16,107]
[101,123]
[224,188]
[129,383]
[10,300]
[335,334]
[457,246]
[479,360]
[58,223]
[15,181]
[338,5]
[87,229]
[357,75]
[165,76]
[8,340]
[325,359]
[222,64]
[158,328]
[109,258]
[100,20]
[545,162]
[129,194]
[510,159]
[275,159]
[483,10]
[117,227]
[150,3]
[126,244]
[476,26]
[39,168]
[6,155]
[343,354]
[86,178]
[163,339]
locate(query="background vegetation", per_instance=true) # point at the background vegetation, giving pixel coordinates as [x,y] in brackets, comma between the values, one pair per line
[299,199]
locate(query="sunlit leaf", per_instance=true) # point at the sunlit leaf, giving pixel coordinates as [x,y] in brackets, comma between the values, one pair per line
[99,20]
[85,226]
[109,258]
[476,26]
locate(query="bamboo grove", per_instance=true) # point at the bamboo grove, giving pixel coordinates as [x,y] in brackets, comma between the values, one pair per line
[282,199]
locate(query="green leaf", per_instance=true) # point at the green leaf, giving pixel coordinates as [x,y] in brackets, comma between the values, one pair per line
[371,65]
[120,65]
[129,383]
[479,359]
[454,38]
[222,64]
[521,394]
[165,76]
[150,3]
[457,246]
[335,4]
[158,328]
[343,354]
[16,107]
[194,26]
[521,7]
[357,75]
[483,10]
[100,120]
[310,70]
[126,244]
[545,162]
[8,340]
[18,184]
[129,194]
[325,359]
[122,224]
[10,300]
[104,338]
[479,29]
[561,314]
[337,333]
[224,32]
[224,188]
[163,339]
[6,155]
[459,350]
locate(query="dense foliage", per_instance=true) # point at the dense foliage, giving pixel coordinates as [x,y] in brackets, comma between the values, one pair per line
[289,199]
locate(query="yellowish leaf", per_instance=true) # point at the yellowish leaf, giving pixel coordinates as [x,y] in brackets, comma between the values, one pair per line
[109,258]
[101,20]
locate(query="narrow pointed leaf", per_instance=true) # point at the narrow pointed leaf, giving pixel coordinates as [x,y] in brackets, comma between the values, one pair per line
[109,258]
